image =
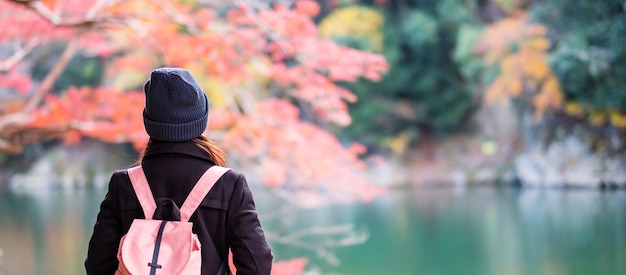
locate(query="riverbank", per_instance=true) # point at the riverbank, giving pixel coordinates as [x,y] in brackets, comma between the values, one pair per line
[462,160]
[468,160]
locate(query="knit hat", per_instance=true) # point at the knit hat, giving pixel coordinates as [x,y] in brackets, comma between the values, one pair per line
[177,109]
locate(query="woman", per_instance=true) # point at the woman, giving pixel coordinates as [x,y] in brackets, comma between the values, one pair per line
[175,117]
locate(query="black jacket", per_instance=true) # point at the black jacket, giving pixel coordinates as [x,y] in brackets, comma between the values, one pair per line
[227,216]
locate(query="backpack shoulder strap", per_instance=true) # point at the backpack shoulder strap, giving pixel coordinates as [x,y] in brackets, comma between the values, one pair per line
[200,190]
[142,190]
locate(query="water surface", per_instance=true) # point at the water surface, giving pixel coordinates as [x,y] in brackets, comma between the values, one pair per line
[436,230]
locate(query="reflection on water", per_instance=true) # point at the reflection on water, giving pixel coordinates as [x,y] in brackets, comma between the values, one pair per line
[46,233]
[417,231]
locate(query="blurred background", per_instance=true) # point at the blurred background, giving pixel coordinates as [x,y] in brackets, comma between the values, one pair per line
[379,137]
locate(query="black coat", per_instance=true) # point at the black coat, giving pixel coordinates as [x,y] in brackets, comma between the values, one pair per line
[227,217]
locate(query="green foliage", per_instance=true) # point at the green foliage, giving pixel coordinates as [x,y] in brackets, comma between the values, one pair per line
[356,42]
[589,56]
[418,29]
[459,12]
[436,77]
[470,66]
[425,90]
[81,71]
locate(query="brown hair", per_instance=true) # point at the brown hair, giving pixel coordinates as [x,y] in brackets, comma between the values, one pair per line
[215,153]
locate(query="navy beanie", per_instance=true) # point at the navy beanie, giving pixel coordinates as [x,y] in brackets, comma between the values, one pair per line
[177,109]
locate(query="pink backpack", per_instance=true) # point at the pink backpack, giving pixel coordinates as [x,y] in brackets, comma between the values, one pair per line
[162,246]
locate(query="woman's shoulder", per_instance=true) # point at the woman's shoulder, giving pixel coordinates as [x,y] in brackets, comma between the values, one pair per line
[120,174]
[233,181]
[119,178]
[233,175]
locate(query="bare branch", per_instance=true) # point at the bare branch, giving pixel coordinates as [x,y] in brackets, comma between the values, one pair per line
[244,98]
[52,76]
[42,10]
[7,123]
[12,119]
[93,11]
[135,26]
[90,20]
[18,55]
[336,236]
[14,142]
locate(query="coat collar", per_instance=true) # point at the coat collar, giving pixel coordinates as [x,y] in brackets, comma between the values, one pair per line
[185,148]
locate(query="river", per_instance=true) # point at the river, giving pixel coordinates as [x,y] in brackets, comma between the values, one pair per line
[422,230]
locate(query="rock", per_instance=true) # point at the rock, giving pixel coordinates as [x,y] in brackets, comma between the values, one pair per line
[569,162]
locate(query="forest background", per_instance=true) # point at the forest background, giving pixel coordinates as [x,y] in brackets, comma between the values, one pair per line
[326,101]
[518,91]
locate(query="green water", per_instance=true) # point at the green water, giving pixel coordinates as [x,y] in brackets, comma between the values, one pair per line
[412,231]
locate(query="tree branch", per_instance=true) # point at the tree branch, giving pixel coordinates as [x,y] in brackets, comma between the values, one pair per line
[245,99]
[18,55]
[7,122]
[89,20]
[51,77]
[95,9]
[335,236]
[42,10]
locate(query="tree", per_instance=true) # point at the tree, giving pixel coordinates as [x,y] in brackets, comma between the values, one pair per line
[563,62]
[519,47]
[270,79]
[424,95]
[588,59]
[254,62]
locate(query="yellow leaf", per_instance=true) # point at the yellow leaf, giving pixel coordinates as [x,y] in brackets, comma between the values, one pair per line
[128,79]
[536,44]
[574,109]
[536,68]
[552,90]
[217,91]
[397,144]
[510,65]
[508,5]
[597,118]
[617,119]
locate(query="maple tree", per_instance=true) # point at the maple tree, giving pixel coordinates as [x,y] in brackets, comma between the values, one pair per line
[255,53]
[271,81]
[520,49]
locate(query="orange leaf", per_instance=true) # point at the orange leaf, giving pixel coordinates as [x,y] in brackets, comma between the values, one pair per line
[308,7]
[51,4]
